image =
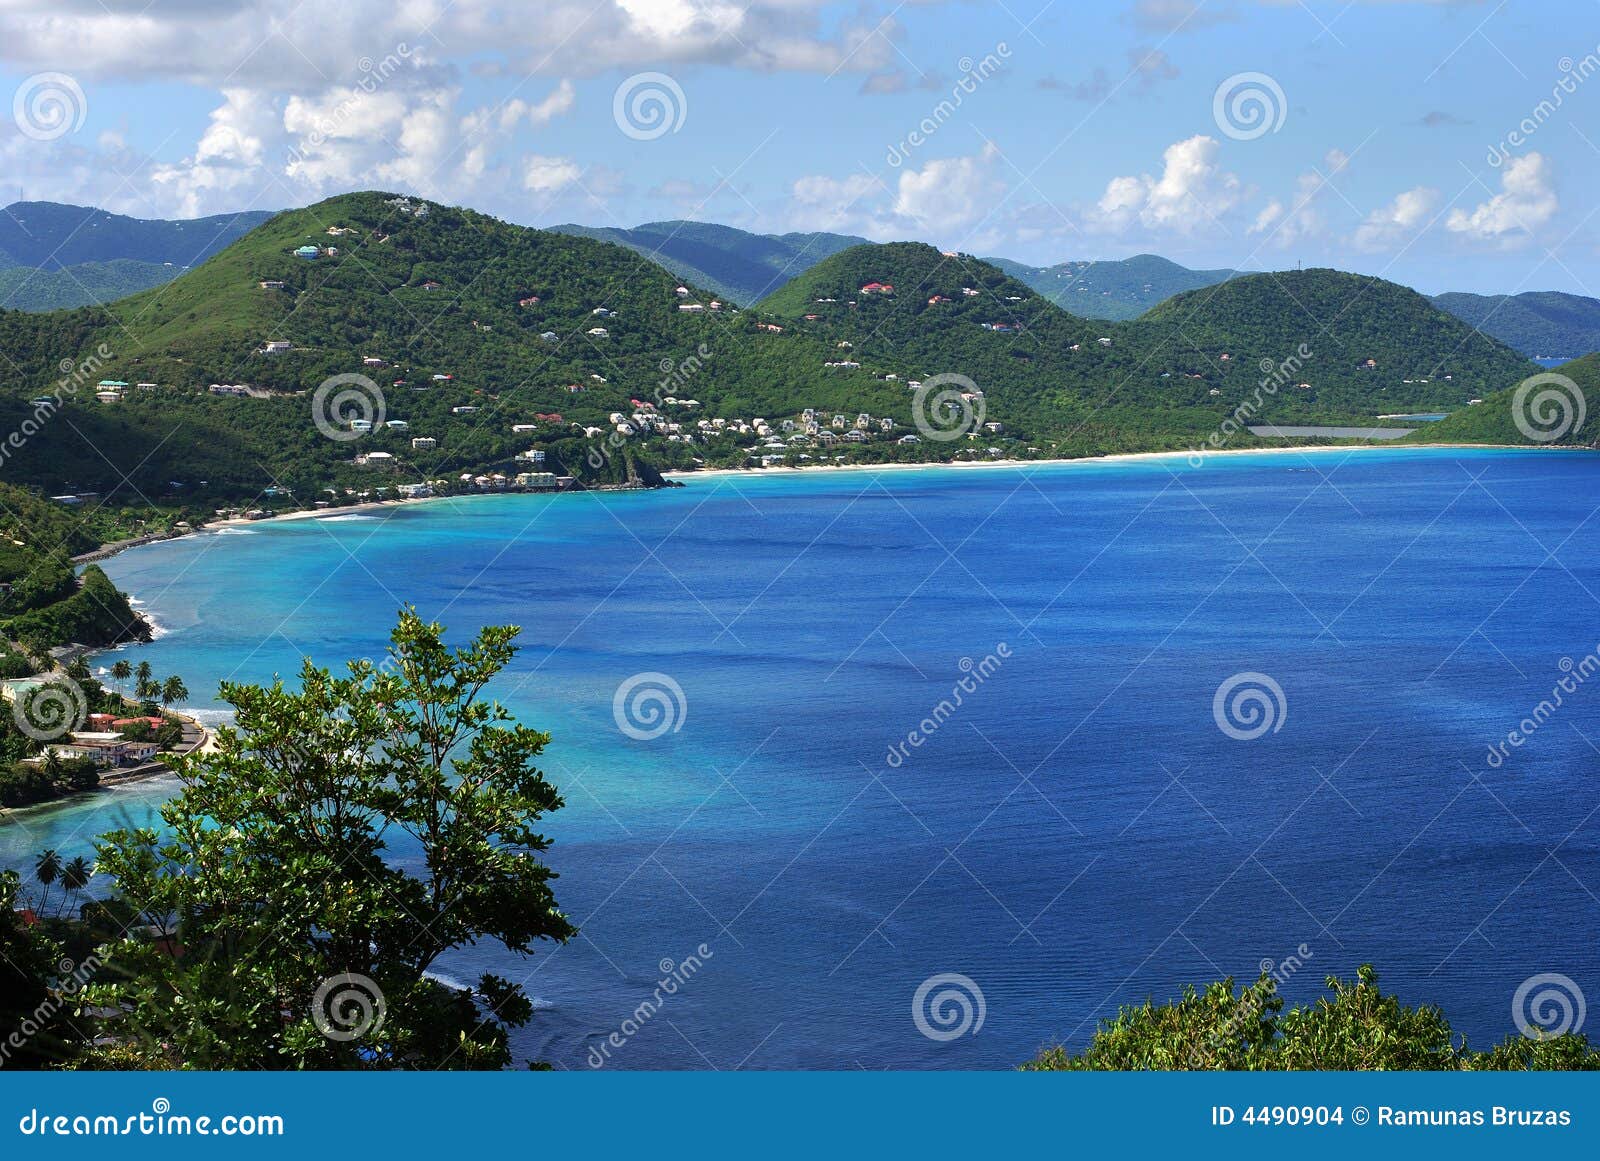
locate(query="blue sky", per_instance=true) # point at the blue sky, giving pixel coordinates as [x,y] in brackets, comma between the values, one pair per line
[1389,143]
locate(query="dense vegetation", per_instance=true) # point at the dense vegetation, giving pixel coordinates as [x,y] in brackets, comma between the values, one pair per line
[1167,378]
[738,266]
[1423,358]
[268,926]
[1117,289]
[42,602]
[1548,407]
[1357,1027]
[1539,323]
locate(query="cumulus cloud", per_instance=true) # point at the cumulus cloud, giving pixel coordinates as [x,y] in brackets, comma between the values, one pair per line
[820,202]
[548,175]
[227,164]
[1190,193]
[950,193]
[1526,201]
[944,200]
[1303,215]
[256,43]
[1399,221]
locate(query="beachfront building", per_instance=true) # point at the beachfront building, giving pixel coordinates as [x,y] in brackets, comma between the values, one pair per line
[107,750]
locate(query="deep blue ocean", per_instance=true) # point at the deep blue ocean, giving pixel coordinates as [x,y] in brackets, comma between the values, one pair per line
[1080,832]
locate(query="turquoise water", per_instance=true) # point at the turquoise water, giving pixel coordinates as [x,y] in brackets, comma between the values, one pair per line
[1079,832]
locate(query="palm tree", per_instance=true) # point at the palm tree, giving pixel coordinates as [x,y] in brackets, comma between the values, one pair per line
[75,875]
[47,870]
[121,670]
[173,690]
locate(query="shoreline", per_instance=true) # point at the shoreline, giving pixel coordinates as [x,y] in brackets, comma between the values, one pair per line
[1114,457]
[681,476]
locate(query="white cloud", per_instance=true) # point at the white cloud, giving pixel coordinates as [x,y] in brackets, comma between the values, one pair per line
[1526,201]
[950,193]
[226,166]
[1398,222]
[825,203]
[1191,192]
[547,175]
[257,43]
[1304,215]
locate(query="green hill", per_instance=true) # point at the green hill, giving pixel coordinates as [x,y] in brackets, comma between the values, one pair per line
[739,266]
[1118,289]
[473,325]
[1540,324]
[1494,419]
[87,283]
[50,236]
[476,324]
[1166,377]
[42,601]
[1420,356]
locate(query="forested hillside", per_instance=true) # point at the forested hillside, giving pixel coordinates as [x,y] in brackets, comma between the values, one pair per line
[1116,289]
[1545,324]
[735,264]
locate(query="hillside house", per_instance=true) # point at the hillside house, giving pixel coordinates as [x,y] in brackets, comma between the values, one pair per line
[277,347]
[423,443]
[270,284]
[878,288]
[307,252]
[599,333]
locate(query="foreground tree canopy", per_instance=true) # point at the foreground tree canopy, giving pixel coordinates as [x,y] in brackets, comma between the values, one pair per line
[1355,1027]
[340,839]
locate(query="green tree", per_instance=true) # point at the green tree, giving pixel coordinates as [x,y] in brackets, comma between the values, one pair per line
[46,870]
[121,670]
[173,691]
[276,875]
[1355,1027]
[29,962]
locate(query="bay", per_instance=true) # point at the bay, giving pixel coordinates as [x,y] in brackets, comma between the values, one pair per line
[1079,831]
